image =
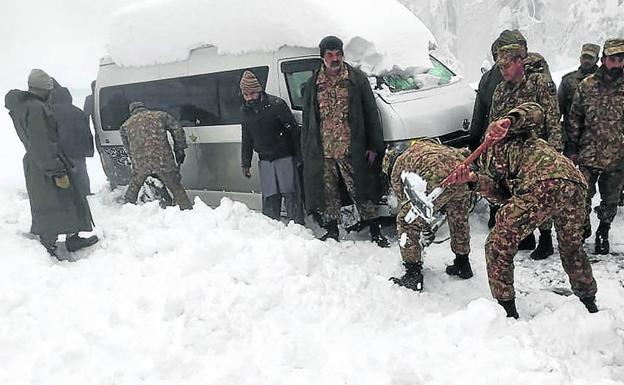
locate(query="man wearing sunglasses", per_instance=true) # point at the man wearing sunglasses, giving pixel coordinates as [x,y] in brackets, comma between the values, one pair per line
[597,137]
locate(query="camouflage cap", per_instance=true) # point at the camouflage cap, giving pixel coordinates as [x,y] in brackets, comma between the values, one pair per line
[134,105]
[506,53]
[511,37]
[613,47]
[590,49]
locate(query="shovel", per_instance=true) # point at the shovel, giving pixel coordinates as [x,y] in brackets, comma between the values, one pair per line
[423,204]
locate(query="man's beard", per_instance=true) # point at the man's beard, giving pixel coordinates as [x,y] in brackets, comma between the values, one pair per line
[615,73]
[251,103]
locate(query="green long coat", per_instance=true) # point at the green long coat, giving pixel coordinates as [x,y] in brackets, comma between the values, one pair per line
[54,210]
[366,134]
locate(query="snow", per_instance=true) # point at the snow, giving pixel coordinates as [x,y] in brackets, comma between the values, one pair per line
[227,296]
[378,35]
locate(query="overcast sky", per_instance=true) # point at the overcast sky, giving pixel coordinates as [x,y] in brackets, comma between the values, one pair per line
[63,37]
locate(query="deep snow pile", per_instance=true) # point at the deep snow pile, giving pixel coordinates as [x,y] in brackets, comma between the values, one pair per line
[378,34]
[226,296]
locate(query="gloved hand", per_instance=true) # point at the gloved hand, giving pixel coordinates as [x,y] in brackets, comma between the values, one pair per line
[370,157]
[246,172]
[180,156]
[61,181]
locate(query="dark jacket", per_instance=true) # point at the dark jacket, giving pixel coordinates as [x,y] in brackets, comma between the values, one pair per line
[73,126]
[54,210]
[483,104]
[565,94]
[366,134]
[270,129]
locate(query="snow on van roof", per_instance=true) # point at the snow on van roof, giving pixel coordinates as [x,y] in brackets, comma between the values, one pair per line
[379,35]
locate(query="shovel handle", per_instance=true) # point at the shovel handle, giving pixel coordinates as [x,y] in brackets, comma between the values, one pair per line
[487,142]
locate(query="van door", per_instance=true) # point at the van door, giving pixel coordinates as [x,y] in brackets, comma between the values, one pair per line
[294,73]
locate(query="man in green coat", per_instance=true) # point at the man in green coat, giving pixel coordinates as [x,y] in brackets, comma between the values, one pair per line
[341,140]
[56,205]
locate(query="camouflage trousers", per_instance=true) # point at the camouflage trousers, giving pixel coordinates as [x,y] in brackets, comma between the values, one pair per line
[561,200]
[610,185]
[171,180]
[459,227]
[334,171]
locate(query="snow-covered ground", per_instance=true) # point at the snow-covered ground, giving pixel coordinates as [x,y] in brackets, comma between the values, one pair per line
[227,296]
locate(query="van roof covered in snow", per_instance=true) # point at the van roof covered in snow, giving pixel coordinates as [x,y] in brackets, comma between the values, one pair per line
[378,35]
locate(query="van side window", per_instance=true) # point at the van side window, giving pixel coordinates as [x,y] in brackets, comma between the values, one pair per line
[297,73]
[198,100]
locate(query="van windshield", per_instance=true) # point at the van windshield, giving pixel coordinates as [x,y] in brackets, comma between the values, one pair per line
[438,75]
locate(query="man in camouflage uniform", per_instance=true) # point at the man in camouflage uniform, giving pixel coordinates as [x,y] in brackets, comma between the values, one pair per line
[533,62]
[433,162]
[569,82]
[597,137]
[520,87]
[145,139]
[534,182]
[341,138]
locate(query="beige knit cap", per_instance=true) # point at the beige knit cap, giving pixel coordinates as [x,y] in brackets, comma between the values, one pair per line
[249,82]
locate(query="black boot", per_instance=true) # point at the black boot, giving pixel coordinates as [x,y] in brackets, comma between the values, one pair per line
[332,231]
[527,243]
[545,247]
[413,278]
[460,267]
[510,308]
[376,235]
[49,242]
[621,202]
[492,219]
[590,304]
[602,238]
[75,242]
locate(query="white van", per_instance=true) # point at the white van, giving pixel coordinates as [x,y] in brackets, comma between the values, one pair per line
[202,92]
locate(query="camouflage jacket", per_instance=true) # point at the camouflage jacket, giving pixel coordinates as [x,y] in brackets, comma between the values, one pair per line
[145,139]
[535,63]
[433,162]
[565,94]
[333,99]
[516,164]
[597,121]
[534,87]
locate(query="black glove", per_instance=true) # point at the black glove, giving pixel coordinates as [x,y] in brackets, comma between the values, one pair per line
[180,155]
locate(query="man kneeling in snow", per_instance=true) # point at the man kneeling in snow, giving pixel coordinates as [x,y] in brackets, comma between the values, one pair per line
[533,182]
[433,162]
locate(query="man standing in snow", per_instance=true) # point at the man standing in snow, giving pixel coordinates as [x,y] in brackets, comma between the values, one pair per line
[341,139]
[569,82]
[596,137]
[520,87]
[74,134]
[533,182]
[433,162]
[532,62]
[145,139]
[269,128]
[56,204]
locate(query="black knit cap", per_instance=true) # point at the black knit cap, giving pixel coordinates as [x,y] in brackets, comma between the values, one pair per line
[330,43]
